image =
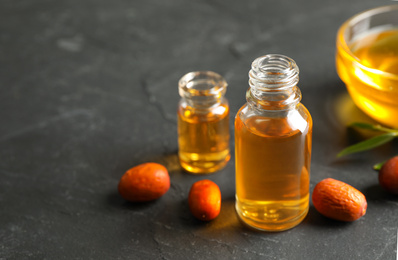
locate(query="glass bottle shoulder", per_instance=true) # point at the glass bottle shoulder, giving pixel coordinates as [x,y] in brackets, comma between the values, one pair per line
[192,113]
[273,123]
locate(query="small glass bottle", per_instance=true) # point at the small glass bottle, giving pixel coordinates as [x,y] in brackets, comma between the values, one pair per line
[203,122]
[273,134]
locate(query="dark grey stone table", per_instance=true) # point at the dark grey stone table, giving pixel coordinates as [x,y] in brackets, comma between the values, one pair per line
[88,89]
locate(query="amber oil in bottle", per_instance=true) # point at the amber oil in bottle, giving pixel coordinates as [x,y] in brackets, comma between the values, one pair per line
[203,122]
[273,133]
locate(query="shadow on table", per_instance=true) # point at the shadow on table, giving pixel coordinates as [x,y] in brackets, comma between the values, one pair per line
[115,200]
[314,218]
[377,193]
[170,161]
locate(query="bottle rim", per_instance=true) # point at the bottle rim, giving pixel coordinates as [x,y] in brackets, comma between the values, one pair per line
[202,84]
[273,71]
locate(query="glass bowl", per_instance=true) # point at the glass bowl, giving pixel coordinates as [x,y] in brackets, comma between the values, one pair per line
[367,62]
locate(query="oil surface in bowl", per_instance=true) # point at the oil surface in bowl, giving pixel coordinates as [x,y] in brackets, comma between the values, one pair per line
[376,93]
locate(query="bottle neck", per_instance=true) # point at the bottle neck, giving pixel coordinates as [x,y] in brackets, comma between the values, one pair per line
[202,89]
[273,82]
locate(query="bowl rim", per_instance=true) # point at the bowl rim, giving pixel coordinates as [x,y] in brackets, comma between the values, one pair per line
[352,20]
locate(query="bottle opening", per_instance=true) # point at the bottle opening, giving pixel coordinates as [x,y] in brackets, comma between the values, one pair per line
[274,64]
[202,83]
[273,71]
[273,82]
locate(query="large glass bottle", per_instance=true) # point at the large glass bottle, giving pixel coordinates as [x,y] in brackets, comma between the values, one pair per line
[203,122]
[273,133]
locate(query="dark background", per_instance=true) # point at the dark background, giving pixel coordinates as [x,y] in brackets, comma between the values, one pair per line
[88,89]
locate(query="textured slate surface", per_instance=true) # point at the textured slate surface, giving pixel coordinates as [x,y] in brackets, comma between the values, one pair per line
[88,89]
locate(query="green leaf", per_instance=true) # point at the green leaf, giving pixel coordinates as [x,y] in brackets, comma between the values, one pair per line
[368,144]
[378,166]
[373,127]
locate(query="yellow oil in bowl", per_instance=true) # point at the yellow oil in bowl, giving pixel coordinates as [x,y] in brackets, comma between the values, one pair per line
[367,62]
